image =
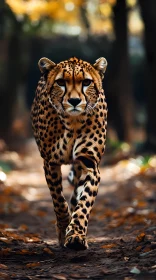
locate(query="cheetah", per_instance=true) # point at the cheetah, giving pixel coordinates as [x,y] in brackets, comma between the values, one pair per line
[69,119]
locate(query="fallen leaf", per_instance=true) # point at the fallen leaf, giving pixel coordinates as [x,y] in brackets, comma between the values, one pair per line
[108,246]
[4,276]
[53,222]
[33,239]
[5,240]
[147,249]
[126,259]
[104,271]
[5,252]
[59,277]
[3,266]
[76,276]
[41,213]
[142,204]
[140,237]
[24,252]
[138,248]
[13,236]
[3,226]
[14,275]
[117,222]
[47,250]
[32,265]
[23,227]
[135,270]
[154,266]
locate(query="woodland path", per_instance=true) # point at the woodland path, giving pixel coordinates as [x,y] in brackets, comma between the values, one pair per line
[122,228]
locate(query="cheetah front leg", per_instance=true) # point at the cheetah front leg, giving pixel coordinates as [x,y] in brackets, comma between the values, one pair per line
[54,181]
[86,194]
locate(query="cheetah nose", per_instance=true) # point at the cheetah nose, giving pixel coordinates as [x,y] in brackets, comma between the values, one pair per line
[74,101]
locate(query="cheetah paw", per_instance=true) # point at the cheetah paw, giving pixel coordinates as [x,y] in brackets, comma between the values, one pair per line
[76,242]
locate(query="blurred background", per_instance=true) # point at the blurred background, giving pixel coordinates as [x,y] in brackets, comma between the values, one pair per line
[123,31]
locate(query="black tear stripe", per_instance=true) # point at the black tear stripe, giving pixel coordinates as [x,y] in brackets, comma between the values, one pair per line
[87,162]
[65,89]
[82,87]
[73,76]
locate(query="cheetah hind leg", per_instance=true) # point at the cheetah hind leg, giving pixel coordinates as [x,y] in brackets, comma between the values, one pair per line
[73,178]
[61,232]
[75,174]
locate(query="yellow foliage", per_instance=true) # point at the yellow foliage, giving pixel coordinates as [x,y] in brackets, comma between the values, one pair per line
[99,25]
[105,9]
[64,10]
[131,2]
[17,6]
[67,11]
[111,2]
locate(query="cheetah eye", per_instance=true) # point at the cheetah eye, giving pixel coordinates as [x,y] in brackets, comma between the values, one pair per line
[61,82]
[86,82]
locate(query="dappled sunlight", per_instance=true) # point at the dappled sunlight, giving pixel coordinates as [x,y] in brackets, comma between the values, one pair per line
[2,176]
[29,180]
[31,194]
[25,178]
[126,169]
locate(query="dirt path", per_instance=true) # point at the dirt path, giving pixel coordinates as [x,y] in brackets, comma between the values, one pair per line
[122,228]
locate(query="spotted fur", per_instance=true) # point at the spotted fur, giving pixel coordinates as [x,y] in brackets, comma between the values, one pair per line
[69,118]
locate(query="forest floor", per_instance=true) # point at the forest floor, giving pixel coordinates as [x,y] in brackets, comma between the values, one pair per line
[122,227]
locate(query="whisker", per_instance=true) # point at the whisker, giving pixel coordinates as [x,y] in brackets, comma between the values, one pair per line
[60,109]
[89,109]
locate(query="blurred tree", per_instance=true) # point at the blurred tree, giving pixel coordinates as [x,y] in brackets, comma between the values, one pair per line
[84,17]
[9,68]
[119,81]
[148,10]
[2,7]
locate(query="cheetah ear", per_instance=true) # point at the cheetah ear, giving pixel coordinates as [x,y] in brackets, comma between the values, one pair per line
[100,65]
[45,64]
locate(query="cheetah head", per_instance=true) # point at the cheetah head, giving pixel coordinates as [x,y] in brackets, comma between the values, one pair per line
[73,85]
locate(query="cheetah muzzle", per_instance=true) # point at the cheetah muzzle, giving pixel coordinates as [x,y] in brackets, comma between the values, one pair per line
[69,118]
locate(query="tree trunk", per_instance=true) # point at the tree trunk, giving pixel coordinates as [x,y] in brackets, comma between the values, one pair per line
[148,10]
[2,19]
[120,84]
[11,74]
